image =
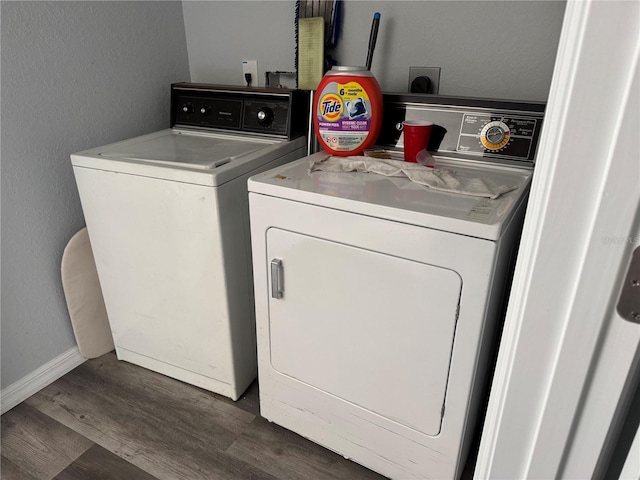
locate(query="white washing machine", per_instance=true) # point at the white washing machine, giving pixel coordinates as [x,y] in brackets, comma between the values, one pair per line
[168,219]
[378,301]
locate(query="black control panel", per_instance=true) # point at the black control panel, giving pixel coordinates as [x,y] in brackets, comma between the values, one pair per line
[500,130]
[273,112]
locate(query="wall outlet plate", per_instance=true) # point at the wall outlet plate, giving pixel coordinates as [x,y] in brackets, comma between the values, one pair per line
[250,66]
[432,72]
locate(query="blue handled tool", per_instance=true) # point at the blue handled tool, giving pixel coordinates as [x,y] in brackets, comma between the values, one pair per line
[372,38]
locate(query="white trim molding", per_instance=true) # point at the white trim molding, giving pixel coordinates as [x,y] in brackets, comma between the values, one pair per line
[38,379]
[565,357]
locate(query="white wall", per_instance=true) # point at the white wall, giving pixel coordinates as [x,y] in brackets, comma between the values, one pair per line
[496,49]
[74,75]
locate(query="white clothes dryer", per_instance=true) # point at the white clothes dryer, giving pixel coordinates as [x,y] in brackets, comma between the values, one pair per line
[168,219]
[378,300]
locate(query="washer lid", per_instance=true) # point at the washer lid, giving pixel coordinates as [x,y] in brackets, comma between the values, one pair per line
[400,199]
[186,149]
[202,158]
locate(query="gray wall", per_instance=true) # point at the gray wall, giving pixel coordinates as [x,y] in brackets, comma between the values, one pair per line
[496,49]
[74,75]
[81,74]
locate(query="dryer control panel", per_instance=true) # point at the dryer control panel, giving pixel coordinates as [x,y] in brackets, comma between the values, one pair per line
[498,134]
[500,131]
[272,112]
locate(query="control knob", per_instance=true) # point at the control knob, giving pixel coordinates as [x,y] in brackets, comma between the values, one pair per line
[205,110]
[187,108]
[265,116]
[495,135]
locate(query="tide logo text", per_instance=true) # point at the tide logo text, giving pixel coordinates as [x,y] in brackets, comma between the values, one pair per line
[330,107]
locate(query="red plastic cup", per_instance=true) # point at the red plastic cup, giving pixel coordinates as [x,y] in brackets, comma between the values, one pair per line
[416,138]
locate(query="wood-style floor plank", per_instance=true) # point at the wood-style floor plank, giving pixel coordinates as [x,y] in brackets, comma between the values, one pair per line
[100,464]
[152,391]
[289,456]
[38,445]
[249,401]
[169,429]
[10,471]
[140,425]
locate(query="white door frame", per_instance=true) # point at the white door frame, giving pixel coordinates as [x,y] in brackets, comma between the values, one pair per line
[565,357]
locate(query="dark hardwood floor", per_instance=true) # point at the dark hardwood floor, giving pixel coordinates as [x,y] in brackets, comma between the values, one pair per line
[111,420]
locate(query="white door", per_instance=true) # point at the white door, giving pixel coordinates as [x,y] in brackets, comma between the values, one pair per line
[369,328]
[568,361]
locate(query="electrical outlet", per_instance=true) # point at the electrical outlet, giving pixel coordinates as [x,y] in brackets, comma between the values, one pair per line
[433,73]
[250,66]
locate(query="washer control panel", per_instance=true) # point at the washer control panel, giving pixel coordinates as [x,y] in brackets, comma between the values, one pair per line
[272,112]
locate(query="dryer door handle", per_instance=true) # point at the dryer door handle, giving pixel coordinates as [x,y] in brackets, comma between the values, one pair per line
[277,283]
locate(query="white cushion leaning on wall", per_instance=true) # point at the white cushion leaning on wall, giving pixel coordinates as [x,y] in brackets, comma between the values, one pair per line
[84,297]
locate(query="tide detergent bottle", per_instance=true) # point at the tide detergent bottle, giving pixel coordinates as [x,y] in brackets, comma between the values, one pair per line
[348,111]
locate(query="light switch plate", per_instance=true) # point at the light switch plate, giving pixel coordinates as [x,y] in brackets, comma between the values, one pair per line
[250,66]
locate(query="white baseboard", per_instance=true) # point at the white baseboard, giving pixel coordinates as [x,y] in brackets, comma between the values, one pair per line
[19,391]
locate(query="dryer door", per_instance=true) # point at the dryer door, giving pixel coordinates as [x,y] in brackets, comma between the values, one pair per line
[369,328]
